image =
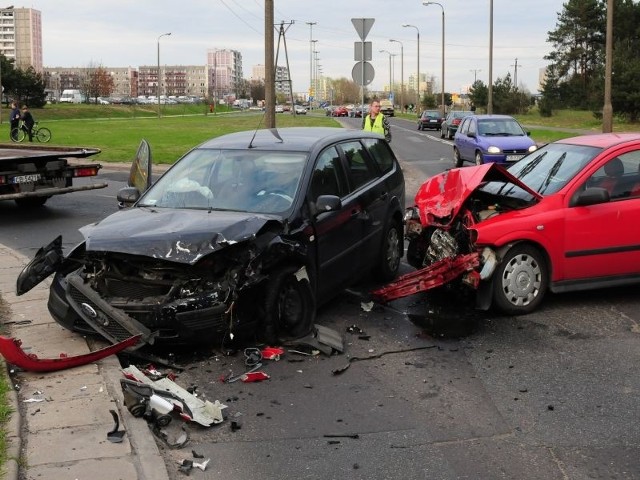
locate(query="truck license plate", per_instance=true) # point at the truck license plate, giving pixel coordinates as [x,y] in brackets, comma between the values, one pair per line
[26,178]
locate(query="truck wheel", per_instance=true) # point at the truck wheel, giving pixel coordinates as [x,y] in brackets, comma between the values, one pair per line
[390,252]
[31,202]
[289,305]
[520,281]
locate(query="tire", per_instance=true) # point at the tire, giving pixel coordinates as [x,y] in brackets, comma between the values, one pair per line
[289,305]
[441,133]
[457,159]
[390,252]
[31,202]
[450,134]
[43,135]
[478,158]
[520,281]
[17,135]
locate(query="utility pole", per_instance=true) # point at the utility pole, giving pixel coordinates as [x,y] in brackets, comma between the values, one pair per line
[269,67]
[311,85]
[607,109]
[475,73]
[515,74]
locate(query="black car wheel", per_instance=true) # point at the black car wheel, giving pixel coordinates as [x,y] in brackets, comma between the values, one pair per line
[479,160]
[520,281]
[457,158]
[450,134]
[289,304]
[391,252]
[442,132]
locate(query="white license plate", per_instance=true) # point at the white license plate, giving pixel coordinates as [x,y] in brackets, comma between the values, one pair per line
[514,158]
[26,178]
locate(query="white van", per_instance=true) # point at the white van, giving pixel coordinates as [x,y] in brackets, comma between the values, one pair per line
[71,96]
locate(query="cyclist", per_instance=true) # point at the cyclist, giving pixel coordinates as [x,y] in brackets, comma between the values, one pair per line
[27,122]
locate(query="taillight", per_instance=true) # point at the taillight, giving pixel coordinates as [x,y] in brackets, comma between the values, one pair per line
[3,180]
[85,172]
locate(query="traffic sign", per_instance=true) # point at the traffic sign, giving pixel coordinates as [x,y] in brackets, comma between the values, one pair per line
[357,51]
[363,26]
[357,73]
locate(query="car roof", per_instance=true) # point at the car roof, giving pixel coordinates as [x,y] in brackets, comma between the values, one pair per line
[602,140]
[492,116]
[293,138]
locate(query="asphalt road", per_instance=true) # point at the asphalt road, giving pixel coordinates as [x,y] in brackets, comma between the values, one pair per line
[450,393]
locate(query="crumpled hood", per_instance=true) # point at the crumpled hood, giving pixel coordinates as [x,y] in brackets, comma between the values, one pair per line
[182,236]
[442,195]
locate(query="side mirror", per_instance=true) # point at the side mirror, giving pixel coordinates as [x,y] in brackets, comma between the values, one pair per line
[127,196]
[327,203]
[591,196]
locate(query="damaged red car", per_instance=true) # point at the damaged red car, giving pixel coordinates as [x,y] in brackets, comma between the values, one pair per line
[563,218]
[244,235]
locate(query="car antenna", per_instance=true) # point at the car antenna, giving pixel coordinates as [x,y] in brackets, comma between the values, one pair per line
[274,132]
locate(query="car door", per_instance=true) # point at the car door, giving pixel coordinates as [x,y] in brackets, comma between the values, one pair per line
[370,193]
[463,141]
[337,233]
[604,239]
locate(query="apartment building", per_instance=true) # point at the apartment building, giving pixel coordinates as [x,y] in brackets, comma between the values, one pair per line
[21,37]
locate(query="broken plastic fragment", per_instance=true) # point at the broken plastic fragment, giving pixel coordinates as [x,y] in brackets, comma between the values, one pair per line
[115,435]
[254,377]
[203,465]
[366,306]
[272,353]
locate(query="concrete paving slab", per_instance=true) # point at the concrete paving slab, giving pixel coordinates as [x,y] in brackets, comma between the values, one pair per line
[72,444]
[88,411]
[50,340]
[95,469]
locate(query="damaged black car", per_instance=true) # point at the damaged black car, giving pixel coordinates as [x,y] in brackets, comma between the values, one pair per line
[245,235]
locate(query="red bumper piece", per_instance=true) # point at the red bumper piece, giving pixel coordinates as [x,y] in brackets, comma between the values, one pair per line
[11,350]
[435,275]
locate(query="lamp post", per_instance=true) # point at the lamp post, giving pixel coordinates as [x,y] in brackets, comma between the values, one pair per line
[387,51]
[401,73]
[490,93]
[436,3]
[313,69]
[311,89]
[418,82]
[158,82]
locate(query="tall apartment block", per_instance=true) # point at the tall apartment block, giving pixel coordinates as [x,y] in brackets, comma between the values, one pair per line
[21,37]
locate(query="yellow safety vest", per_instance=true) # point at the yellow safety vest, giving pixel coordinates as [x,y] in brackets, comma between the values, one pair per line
[376,125]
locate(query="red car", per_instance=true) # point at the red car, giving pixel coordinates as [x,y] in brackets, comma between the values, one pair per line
[340,112]
[565,217]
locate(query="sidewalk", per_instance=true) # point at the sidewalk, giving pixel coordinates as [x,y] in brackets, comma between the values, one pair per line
[64,436]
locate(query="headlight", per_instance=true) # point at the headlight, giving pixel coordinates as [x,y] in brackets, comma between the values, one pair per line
[493,149]
[532,148]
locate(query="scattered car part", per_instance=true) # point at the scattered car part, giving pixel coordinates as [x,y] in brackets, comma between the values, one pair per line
[11,350]
[322,338]
[230,378]
[272,353]
[191,408]
[115,435]
[344,368]
[254,377]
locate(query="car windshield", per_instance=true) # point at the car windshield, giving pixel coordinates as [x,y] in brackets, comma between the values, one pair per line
[234,180]
[550,168]
[500,127]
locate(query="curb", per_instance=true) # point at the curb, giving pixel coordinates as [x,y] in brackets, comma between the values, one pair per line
[13,428]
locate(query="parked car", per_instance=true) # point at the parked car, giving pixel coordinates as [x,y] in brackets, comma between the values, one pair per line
[387,108]
[279,109]
[300,110]
[491,138]
[451,122]
[563,218]
[244,235]
[431,119]
[340,112]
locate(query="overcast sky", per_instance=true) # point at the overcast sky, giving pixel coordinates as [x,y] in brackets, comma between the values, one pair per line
[123,33]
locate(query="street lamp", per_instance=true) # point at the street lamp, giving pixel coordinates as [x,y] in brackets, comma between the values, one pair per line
[401,73]
[418,84]
[490,94]
[311,90]
[436,3]
[390,54]
[158,82]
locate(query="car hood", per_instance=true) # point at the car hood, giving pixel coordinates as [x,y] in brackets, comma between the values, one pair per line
[182,236]
[507,143]
[442,196]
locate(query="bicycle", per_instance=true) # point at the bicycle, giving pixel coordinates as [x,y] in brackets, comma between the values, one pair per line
[41,134]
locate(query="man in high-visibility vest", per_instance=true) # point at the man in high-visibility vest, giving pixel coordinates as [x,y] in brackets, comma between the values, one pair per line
[376,122]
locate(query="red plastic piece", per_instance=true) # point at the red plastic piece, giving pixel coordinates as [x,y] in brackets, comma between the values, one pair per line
[435,275]
[254,377]
[11,350]
[272,353]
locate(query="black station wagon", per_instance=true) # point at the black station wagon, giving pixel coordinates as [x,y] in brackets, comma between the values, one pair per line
[247,232]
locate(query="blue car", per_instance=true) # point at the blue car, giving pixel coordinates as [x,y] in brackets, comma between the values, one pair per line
[491,138]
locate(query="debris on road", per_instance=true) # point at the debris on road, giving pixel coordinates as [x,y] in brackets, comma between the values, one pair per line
[115,435]
[11,350]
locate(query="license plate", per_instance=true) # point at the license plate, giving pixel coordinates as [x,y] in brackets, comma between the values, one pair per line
[26,178]
[514,158]
[432,121]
